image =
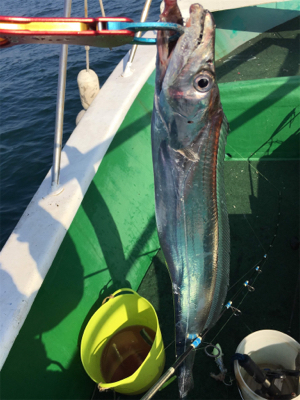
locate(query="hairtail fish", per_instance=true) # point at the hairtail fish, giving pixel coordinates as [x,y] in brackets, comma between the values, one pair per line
[189,131]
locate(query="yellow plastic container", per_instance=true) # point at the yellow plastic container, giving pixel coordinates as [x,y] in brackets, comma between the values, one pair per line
[124,309]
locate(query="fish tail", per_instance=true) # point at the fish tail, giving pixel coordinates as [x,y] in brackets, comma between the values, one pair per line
[185,376]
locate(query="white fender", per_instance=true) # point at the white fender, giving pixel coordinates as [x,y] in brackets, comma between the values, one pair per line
[79,116]
[88,84]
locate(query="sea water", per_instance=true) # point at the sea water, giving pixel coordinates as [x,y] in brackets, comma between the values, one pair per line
[28,90]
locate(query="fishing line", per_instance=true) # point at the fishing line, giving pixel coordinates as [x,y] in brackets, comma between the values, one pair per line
[198,343]
[263,260]
[243,276]
[173,341]
[232,315]
[251,227]
[249,329]
[255,169]
[236,311]
[94,392]
[294,305]
[256,269]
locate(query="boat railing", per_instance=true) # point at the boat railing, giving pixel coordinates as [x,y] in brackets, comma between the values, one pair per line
[144,16]
[60,105]
[61,89]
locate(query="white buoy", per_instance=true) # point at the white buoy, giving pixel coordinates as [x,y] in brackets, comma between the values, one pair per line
[88,84]
[79,116]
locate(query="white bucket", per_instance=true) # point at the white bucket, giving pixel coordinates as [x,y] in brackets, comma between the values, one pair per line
[268,349]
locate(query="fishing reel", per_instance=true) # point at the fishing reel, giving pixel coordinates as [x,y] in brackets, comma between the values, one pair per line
[271,381]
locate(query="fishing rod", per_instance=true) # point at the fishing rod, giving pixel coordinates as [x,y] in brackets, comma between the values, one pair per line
[172,369]
[248,283]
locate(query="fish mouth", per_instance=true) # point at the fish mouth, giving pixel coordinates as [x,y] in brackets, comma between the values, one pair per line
[167,40]
[198,29]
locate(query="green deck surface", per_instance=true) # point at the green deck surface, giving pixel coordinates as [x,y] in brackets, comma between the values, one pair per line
[113,239]
[253,210]
[110,244]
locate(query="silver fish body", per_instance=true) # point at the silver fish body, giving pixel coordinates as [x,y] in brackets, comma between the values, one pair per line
[189,132]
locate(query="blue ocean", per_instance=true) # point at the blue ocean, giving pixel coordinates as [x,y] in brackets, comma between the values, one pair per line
[28,90]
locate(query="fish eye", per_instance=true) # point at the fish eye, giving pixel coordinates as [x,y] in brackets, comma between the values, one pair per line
[203,82]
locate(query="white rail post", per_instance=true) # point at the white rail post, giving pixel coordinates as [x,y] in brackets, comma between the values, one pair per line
[60,105]
[144,16]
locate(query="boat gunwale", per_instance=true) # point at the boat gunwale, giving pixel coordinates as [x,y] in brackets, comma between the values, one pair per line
[27,255]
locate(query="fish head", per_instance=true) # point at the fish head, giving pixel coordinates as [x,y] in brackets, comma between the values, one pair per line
[185,79]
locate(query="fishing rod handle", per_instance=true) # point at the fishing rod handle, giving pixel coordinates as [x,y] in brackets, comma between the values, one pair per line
[151,392]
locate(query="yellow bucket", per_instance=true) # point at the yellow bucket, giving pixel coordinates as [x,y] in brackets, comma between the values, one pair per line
[124,311]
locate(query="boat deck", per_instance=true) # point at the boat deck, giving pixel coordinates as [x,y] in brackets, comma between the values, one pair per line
[253,199]
[91,263]
[253,214]
[257,190]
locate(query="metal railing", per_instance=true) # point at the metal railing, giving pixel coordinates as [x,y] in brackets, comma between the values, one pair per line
[127,71]
[143,19]
[60,105]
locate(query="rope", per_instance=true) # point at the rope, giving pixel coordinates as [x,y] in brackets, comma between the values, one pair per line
[107,298]
[102,8]
[87,48]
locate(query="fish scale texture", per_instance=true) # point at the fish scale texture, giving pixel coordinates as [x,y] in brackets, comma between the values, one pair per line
[188,133]
[222,274]
[193,230]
